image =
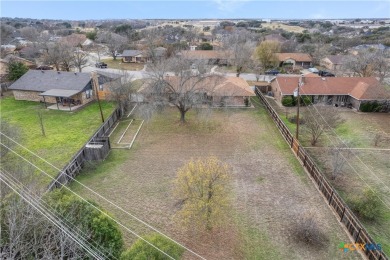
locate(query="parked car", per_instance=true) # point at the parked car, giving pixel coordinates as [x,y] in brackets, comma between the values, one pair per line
[272,72]
[323,73]
[313,70]
[101,65]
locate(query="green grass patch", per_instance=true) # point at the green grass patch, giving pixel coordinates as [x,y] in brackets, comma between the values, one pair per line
[93,170]
[256,244]
[66,132]
[120,65]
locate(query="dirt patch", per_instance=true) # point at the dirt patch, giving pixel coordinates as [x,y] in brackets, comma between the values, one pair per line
[269,193]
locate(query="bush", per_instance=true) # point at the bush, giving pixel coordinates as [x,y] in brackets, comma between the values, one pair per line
[306,100]
[288,101]
[141,250]
[370,107]
[367,205]
[306,230]
[103,232]
[16,69]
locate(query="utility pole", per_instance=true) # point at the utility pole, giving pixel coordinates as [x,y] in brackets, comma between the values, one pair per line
[95,84]
[296,94]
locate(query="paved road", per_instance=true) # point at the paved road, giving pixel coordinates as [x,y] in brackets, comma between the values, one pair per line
[143,74]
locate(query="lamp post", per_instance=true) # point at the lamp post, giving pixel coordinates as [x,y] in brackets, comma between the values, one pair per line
[296,94]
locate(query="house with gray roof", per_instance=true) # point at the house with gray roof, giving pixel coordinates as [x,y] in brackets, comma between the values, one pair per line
[67,90]
[333,62]
[138,56]
[135,56]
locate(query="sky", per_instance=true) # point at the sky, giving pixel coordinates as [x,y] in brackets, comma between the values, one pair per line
[189,9]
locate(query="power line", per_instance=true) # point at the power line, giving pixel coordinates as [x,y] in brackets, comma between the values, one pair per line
[50,209]
[353,168]
[129,230]
[51,218]
[100,196]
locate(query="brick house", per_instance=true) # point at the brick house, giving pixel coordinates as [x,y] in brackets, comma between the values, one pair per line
[336,91]
[333,62]
[64,89]
[303,60]
[215,91]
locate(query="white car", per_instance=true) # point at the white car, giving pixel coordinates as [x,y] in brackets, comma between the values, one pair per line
[313,70]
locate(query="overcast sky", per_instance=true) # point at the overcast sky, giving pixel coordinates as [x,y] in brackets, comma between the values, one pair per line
[129,9]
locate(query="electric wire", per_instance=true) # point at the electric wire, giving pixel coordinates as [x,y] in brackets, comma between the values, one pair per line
[105,199]
[63,219]
[52,219]
[119,223]
[352,167]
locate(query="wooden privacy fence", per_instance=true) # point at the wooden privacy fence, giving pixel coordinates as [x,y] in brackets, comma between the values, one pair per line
[96,148]
[350,221]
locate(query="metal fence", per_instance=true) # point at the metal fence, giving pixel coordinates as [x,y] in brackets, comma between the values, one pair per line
[350,221]
[96,148]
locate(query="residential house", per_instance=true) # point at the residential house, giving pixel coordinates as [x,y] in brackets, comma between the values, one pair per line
[211,57]
[333,62]
[216,91]
[106,81]
[135,56]
[66,90]
[303,60]
[336,91]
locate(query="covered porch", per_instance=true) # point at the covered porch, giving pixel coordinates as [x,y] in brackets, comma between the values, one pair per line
[64,99]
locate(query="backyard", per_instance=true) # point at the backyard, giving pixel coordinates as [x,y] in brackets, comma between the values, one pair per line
[367,166]
[65,132]
[270,188]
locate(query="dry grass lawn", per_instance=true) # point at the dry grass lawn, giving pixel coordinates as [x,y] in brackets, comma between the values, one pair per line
[269,186]
[118,64]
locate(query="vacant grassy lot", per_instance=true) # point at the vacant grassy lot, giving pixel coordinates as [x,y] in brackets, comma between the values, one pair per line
[118,64]
[367,167]
[65,131]
[288,28]
[269,187]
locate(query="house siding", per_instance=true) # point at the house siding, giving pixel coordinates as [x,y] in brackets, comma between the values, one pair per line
[32,96]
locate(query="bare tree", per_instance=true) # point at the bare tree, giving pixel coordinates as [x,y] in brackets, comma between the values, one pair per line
[29,33]
[187,89]
[121,90]
[316,123]
[362,64]
[382,64]
[59,55]
[6,33]
[80,59]
[113,41]
[239,48]
[339,156]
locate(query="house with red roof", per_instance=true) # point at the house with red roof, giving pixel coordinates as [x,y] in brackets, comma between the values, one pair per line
[336,91]
[303,60]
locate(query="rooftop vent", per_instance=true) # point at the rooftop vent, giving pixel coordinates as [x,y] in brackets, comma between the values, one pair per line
[58,72]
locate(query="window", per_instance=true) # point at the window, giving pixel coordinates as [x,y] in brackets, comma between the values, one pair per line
[88,93]
[101,87]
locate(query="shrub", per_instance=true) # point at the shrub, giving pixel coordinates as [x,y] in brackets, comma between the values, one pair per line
[306,100]
[306,230]
[142,250]
[366,205]
[370,107]
[288,101]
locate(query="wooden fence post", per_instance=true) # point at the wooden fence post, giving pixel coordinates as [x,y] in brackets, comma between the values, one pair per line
[358,234]
[331,196]
[342,215]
